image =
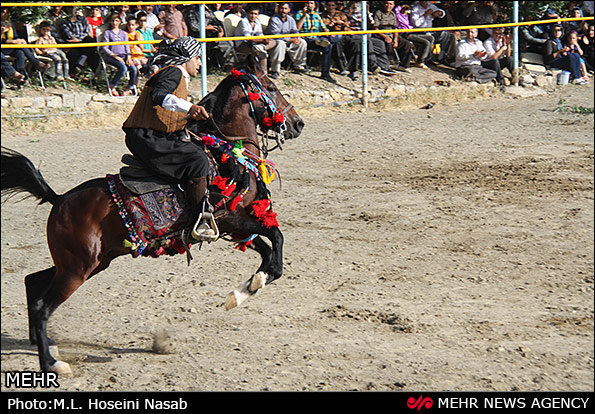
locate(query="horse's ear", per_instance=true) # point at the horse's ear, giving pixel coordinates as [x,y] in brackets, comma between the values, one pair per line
[253,65]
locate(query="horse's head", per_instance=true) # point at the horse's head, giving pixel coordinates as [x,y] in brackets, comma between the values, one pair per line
[248,99]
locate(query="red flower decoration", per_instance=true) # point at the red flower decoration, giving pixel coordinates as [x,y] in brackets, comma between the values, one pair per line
[268,121]
[254,96]
[236,73]
[278,118]
[208,140]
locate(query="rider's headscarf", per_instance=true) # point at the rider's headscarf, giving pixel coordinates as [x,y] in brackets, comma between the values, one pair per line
[176,52]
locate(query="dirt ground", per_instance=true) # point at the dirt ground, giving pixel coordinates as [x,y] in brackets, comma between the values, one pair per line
[441,249]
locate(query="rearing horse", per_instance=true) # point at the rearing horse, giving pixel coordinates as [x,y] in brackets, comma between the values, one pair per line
[85,231]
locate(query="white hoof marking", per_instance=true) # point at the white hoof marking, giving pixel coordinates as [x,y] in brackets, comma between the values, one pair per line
[259,280]
[239,295]
[61,368]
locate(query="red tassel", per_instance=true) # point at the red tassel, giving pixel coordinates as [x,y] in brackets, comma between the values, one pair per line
[230,189]
[208,140]
[268,121]
[254,96]
[260,207]
[224,158]
[236,73]
[279,118]
[270,220]
[235,202]
[219,182]
[242,246]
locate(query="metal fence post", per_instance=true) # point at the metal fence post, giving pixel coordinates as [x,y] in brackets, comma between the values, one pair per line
[365,54]
[203,49]
[515,44]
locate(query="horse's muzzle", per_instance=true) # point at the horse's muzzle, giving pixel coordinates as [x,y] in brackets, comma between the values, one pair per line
[294,128]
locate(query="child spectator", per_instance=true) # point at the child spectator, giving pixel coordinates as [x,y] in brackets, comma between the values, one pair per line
[95,21]
[146,34]
[57,55]
[136,53]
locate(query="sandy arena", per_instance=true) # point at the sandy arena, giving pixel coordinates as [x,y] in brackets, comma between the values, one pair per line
[441,249]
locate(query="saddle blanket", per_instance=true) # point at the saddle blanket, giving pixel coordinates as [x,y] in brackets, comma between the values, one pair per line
[154,220]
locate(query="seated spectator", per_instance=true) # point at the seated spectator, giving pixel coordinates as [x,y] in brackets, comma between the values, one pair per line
[263,49]
[295,47]
[423,15]
[76,29]
[95,21]
[448,47]
[573,44]
[237,9]
[336,21]
[55,15]
[9,70]
[149,49]
[153,24]
[579,25]
[470,53]
[118,56]
[219,51]
[309,21]
[57,55]
[10,36]
[136,52]
[172,22]
[396,46]
[587,43]
[422,41]
[558,56]
[499,51]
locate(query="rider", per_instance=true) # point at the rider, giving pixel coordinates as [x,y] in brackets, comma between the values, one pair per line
[155,129]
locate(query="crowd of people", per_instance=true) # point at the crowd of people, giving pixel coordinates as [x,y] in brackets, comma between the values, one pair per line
[481,55]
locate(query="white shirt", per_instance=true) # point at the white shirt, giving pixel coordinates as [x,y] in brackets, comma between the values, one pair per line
[465,51]
[492,47]
[417,15]
[172,102]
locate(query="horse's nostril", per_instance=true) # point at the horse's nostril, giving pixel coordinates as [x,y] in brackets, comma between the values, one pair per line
[299,125]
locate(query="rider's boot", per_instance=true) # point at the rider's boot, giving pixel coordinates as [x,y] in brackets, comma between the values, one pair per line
[203,226]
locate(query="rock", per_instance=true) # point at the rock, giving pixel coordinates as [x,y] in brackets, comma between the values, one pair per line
[526,80]
[535,68]
[395,90]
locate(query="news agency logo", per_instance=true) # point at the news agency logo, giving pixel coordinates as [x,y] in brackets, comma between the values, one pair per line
[420,402]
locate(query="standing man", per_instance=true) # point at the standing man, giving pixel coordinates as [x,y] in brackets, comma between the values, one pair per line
[155,127]
[172,22]
[295,47]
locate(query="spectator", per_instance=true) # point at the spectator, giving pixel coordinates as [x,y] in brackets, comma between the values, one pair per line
[77,30]
[558,55]
[470,53]
[587,43]
[238,10]
[448,46]
[9,70]
[118,56]
[573,44]
[309,21]
[269,8]
[123,11]
[499,51]
[55,15]
[95,21]
[484,12]
[533,38]
[295,47]
[136,52]
[172,22]
[146,33]
[219,51]
[423,15]
[153,23]
[423,41]
[10,36]
[336,21]
[579,25]
[353,43]
[396,46]
[57,55]
[263,49]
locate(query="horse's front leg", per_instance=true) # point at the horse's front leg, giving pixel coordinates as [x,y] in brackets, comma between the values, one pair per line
[270,269]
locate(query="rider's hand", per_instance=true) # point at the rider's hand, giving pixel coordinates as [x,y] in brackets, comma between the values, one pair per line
[198,113]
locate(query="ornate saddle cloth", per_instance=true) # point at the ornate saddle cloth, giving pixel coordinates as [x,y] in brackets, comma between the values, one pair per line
[154,220]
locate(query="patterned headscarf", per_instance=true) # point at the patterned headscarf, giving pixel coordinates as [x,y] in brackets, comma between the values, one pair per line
[177,52]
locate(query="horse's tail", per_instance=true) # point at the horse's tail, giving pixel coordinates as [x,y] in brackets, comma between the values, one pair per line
[19,175]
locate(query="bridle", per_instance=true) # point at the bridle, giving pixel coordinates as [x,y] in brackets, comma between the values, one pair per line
[254,90]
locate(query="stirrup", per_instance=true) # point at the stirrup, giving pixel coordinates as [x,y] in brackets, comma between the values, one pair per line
[205,228]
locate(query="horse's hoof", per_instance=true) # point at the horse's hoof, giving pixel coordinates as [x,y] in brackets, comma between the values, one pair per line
[231,301]
[258,281]
[61,368]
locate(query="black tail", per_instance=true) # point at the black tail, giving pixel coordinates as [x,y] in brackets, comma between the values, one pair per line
[19,175]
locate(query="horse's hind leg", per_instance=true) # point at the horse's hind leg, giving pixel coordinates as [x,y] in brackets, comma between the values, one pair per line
[36,285]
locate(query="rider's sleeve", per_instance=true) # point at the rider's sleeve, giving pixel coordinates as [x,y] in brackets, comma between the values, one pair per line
[164,83]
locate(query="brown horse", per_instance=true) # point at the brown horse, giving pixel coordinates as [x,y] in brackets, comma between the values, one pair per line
[85,231]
